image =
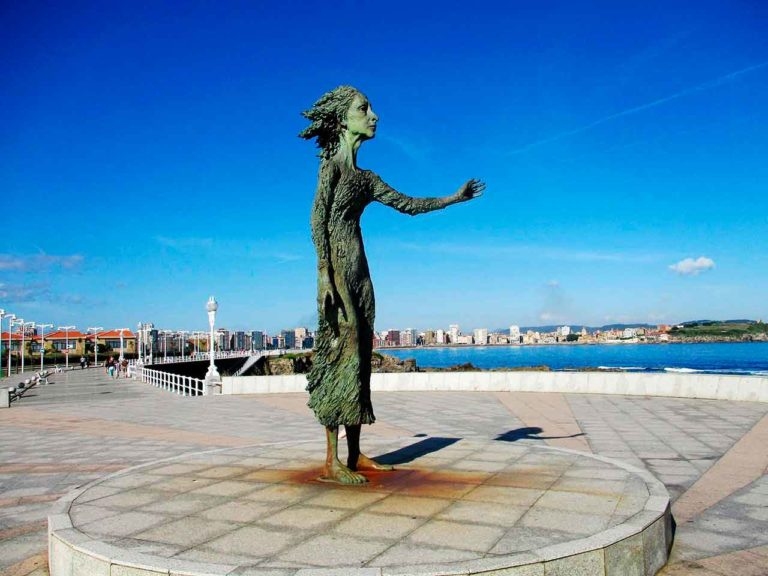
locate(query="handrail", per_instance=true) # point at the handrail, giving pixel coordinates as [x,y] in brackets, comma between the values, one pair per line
[187,385]
[182,385]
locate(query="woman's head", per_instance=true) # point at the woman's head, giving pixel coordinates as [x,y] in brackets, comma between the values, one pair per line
[328,116]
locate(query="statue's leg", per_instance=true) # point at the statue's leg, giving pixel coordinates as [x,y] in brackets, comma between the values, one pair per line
[356,460]
[335,471]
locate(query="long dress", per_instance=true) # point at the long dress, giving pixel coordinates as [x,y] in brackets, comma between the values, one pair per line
[339,382]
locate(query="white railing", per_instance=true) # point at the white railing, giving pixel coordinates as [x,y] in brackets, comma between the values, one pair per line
[199,356]
[187,385]
[182,385]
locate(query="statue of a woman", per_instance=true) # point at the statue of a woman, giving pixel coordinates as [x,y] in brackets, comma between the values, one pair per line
[339,381]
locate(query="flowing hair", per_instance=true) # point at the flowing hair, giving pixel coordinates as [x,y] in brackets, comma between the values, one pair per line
[327,116]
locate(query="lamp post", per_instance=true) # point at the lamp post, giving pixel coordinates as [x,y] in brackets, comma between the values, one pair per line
[23,334]
[66,343]
[11,318]
[198,333]
[183,343]
[96,343]
[42,344]
[141,343]
[121,343]
[144,328]
[16,322]
[212,377]
[165,344]
[2,315]
[148,327]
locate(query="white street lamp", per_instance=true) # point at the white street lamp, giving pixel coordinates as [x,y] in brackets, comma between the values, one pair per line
[183,343]
[121,343]
[165,344]
[198,333]
[11,318]
[2,315]
[149,341]
[18,322]
[96,343]
[212,377]
[42,344]
[144,329]
[66,343]
[141,343]
[23,334]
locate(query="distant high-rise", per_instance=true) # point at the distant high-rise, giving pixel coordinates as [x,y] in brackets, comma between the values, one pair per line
[481,336]
[408,337]
[257,340]
[453,329]
[393,338]
[289,337]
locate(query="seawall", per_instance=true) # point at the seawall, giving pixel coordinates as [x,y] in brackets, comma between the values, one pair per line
[703,386]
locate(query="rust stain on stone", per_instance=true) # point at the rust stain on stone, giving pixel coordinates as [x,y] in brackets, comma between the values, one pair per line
[407,481]
[535,478]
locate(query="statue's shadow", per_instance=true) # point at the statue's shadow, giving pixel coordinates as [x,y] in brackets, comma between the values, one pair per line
[433,444]
[530,433]
[415,451]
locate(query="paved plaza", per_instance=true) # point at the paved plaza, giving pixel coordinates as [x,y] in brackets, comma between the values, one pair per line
[83,426]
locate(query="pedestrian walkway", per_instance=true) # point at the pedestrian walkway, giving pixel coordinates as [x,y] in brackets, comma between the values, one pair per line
[83,426]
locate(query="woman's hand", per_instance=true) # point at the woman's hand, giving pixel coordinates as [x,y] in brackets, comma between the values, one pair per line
[472,188]
[327,290]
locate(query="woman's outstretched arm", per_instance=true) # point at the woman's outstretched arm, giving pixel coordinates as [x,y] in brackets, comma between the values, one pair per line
[384,193]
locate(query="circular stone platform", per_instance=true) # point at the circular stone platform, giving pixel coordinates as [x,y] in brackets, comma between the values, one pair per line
[452,506]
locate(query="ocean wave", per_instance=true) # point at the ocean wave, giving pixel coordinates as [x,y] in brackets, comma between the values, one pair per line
[724,371]
[625,368]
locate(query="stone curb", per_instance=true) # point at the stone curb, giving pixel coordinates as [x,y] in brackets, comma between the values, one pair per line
[639,546]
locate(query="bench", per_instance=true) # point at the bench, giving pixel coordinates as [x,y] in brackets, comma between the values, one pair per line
[13,393]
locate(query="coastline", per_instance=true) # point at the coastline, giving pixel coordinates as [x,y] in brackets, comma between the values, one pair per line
[636,357]
[575,343]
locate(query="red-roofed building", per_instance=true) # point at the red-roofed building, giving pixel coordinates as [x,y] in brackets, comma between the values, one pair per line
[109,341]
[15,338]
[72,341]
[75,342]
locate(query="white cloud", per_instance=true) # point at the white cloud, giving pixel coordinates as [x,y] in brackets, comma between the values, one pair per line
[692,267]
[20,293]
[188,243]
[38,262]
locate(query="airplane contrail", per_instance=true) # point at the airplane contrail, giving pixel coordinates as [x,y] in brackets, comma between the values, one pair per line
[700,87]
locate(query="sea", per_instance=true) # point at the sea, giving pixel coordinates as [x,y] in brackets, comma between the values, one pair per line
[747,358]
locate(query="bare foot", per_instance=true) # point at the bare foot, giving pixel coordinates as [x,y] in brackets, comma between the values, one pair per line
[340,474]
[365,463]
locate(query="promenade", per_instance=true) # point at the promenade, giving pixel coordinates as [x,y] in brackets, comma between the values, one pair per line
[710,454]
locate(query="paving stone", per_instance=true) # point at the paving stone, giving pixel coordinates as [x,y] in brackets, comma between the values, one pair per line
[333,550]
[462,536]
[682,437]
[125,524]
[187,531]
[379,526]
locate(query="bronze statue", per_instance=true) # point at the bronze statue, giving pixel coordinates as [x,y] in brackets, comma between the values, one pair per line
[339,381]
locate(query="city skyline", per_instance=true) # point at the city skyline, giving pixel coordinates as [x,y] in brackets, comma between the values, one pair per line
[150,159]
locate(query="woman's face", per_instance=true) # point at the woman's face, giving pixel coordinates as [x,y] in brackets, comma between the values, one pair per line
[361,120]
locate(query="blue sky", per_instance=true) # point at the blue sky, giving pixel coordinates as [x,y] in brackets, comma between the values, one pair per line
[149,158]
